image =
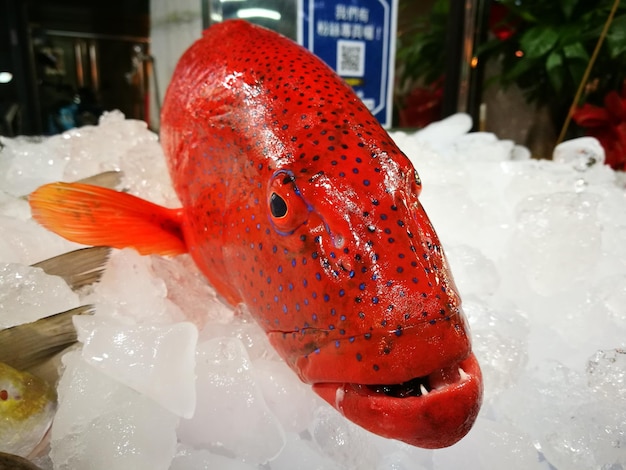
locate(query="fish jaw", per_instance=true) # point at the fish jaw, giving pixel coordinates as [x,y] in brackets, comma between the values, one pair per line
[434,420]
[423,387]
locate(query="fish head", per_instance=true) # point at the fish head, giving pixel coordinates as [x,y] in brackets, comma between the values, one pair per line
[22,395]
[375,322]
[27,407]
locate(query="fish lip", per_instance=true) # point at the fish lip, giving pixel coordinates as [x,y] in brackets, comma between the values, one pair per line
[437,381]
[437,419]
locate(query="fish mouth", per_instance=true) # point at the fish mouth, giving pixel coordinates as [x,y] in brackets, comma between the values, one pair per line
[418,386]
[431,411]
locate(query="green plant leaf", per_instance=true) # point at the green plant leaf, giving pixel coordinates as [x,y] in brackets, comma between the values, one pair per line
[567,7]
[576,51]
[577,71]
[554,67]
[520,10]
[616,37]
[538,41]
[486,49]
[555,60]
[521,67]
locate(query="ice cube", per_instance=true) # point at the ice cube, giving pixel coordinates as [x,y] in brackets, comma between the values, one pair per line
[26,163]
[398,461]
[28,294]
[536,177]
[242,326]
[103,424]
[474,273]
[606,375]
[189,290]
[560,239]
[520,153]
[483,146]
[400,456]
[344,442]
[291,401]
[155,360]
[445,131]
[543,400]
[301,453]
[231,415]
[145,172]
[188,458]
[94,149]
[581,153]
[499,342]
[594,434]
[594,437]
[612,293]
[26,242]
[487,443]
[467,215]
[129,289]
[14,207]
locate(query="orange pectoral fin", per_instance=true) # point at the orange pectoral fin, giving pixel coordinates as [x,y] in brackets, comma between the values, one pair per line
[93,215]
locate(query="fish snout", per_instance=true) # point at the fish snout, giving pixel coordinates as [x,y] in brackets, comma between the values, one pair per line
[432,419]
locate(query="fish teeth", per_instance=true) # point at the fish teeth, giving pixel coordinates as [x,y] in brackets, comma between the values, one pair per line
[423,390]
[340,393]
[463,375]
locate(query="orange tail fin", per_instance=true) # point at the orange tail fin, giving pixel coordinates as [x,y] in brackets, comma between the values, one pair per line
[92,215]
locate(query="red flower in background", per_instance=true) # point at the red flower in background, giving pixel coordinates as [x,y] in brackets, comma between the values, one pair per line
[422,106]
[501,23]
[608,125]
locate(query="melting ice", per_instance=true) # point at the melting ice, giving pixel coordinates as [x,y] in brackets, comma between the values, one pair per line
[167,377]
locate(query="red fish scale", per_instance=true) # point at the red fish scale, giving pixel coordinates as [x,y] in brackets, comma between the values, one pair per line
[354,274]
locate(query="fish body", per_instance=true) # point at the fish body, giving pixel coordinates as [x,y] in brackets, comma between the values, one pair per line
[15,462]
[297,203]
[27,406]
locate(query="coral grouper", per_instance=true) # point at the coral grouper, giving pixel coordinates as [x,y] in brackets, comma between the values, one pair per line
[297,203]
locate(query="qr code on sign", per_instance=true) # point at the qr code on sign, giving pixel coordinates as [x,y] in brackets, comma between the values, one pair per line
[350,58]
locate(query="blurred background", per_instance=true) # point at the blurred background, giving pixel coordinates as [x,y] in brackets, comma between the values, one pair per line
[517,66]
[69,61]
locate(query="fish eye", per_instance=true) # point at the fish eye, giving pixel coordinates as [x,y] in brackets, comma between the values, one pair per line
[278,206]
[287,209]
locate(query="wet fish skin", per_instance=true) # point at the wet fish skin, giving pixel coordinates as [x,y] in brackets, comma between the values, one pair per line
[297,203]
[15,462]
[27,407]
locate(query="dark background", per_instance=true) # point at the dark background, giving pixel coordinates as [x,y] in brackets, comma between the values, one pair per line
[67,58]
[73,59]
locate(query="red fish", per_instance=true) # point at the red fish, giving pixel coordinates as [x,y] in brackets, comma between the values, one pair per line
[297,203]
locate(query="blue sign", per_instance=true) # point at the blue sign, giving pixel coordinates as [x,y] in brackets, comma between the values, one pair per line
[357,38]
